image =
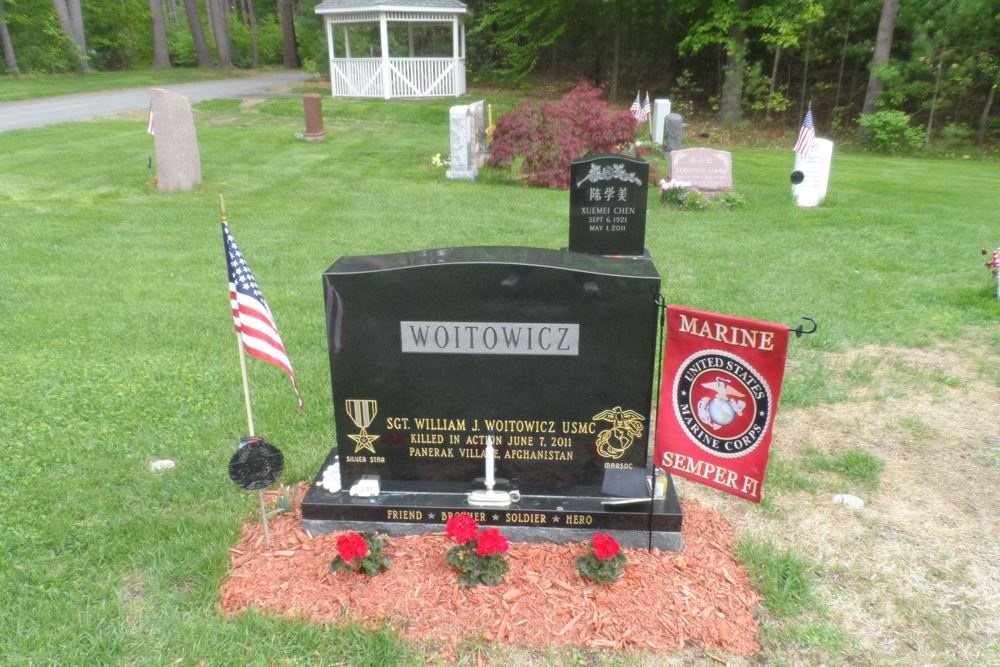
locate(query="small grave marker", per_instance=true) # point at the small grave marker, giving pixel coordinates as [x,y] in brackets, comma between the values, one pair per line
[178,163]
[675,132]
[661,109]
[703,169]
[811,174]
[468,140]
[312,104]
[607,205]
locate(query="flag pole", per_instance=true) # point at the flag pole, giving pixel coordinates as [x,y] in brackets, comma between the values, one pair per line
[246,398]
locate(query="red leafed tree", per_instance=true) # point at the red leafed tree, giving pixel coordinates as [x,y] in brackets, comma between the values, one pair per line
[553,134]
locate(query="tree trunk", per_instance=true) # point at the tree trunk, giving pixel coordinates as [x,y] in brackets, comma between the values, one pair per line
[840,71]
[805,76]
[289,46]
[984,117]
[774,79]
[617,46]
[79,36]
[934,98]
[218,19]
[161,56]
[71,20]
[251,14]
[172,19]
[10,60]
[731,104]
[197,34]
[883,46]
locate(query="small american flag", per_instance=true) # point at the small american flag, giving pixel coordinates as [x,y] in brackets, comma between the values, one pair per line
[254,323]
[807,134]
[636,108]
[645,110]
[150,129]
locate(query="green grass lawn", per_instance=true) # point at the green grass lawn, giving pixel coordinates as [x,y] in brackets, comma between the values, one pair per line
[119,346]
[27,86]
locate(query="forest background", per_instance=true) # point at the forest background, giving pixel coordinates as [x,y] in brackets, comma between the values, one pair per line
[899,74]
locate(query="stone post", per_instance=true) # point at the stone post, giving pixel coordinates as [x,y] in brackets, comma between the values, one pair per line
[313,105]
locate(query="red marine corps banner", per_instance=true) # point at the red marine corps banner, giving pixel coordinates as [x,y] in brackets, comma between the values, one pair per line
[718,397]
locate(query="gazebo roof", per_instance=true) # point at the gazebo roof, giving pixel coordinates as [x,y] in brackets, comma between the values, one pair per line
[436,6]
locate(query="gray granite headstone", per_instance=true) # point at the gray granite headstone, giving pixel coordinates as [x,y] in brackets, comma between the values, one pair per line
[702,168]
[178,164]
[675,131]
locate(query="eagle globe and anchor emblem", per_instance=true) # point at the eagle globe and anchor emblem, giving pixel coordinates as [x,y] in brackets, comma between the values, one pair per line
[722,403]
[626,427]
[724,407]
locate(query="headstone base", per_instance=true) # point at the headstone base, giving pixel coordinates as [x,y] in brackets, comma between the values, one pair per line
[462,174]
[413,508]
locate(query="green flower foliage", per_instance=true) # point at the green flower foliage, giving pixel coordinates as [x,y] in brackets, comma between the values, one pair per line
[474,569]
[689,199]
[602,571]
[371,563]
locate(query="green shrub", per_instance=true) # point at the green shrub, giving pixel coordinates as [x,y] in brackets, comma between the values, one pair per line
[181,46]
[955,134]
[890,132]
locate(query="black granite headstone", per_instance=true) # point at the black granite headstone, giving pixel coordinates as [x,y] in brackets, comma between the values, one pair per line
[607,205]
[549,352]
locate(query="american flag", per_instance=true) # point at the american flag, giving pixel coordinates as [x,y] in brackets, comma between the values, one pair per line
[645,110]
[254,323]
[636,108]
[807,134]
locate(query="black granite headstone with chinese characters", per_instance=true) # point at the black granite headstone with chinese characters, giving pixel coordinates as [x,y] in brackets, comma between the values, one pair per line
[607,205]
[549,352]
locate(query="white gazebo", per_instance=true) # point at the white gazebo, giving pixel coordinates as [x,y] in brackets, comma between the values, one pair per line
[406,58]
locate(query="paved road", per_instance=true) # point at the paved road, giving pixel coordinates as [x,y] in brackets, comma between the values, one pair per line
[67,108]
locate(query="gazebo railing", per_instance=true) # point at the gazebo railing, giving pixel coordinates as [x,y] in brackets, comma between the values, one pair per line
[356,77]
[408,77]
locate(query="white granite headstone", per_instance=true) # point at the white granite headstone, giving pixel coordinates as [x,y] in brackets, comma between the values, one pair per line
[661,108]
[468,140]
[702,168]
[178,164]
[815,170]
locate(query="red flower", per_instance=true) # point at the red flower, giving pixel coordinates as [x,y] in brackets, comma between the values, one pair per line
[462,528]
[605,546]
[491,542]
[351,546]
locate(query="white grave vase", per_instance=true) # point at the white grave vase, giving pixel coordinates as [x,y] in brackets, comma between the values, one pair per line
[815,169]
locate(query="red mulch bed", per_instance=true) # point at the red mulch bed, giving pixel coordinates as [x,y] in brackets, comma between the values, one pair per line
[663,600]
